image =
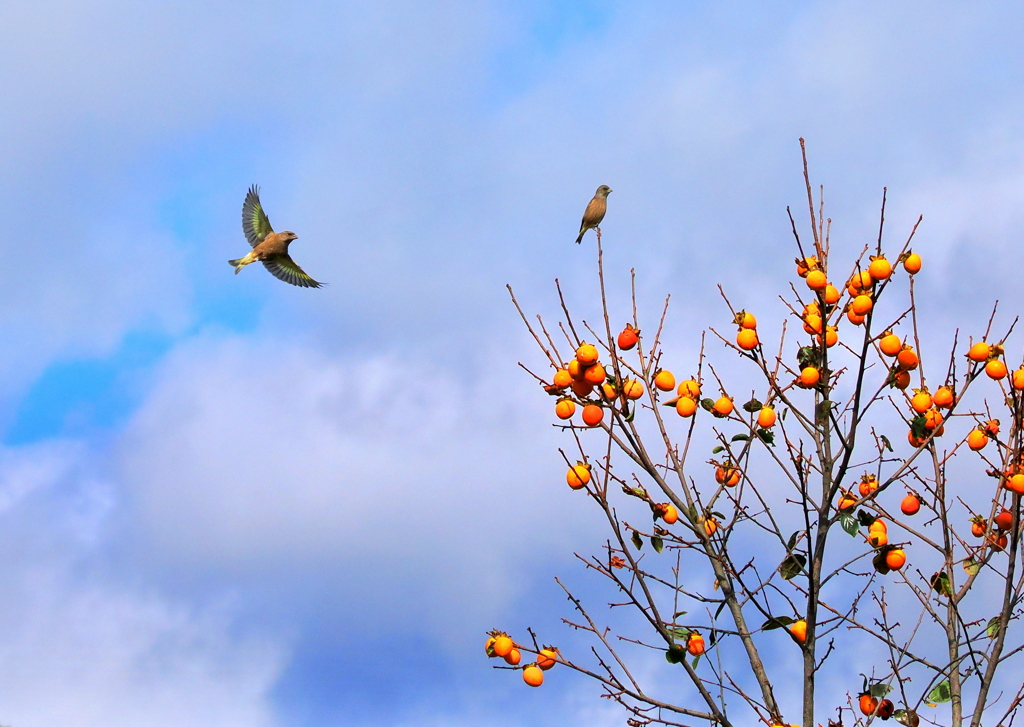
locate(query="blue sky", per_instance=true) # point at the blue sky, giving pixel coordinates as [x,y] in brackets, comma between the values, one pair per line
[227,501]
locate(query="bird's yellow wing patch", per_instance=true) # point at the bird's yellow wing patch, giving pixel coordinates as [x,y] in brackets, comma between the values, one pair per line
[284,268]
[255,224]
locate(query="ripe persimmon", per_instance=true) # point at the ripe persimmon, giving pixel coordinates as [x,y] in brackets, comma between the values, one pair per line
[912,263]
[628,338]
[561,379]
[910,505]
[991,427]
[1003,520]
[998,541]
[921,401]
[895,558]
[766,418]
[996,369]
[799,630]
[832,294]
[533,675]
[846,502]
[632,388]
[854,318]
[868,704]
[886,708]
[576,370]
[816,280]
[689,388]
[831,336]
[1015,483]
[587,354]
[805,265]
[880,268]
[907,359]
[867,485]
[932,420]
[592,415]
[710,526]
[489,647]
[862,304]
[502,645]
[745,320]
[695,644]
[665,381]
[582,389]
[513,657]
[977,439]
[943,397]
[609,391]
[890,344]
[901,380]
[979,351]
[723,405]
[878,526]
[565,408]
[812,323]
[859,282]
[727,475]
[809,376]
[978,527]
[671,514]
[578,475]
[547,657]
[595,374]
[1018,379]
[686,406]
[747,339]
[915,441]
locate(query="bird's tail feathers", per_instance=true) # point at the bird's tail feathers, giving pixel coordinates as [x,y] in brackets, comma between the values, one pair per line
[238,264]
[580,238]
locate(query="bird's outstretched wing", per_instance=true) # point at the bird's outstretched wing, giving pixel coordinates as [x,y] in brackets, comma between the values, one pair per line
[254,220]
[284,268]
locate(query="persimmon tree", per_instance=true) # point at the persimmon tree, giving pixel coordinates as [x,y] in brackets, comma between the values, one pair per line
[824,501]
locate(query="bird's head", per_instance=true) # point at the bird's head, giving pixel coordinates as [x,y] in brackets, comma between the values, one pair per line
[289,236]
[604,190]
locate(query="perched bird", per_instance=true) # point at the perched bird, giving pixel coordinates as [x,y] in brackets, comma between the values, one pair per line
[269,247]
[594,213]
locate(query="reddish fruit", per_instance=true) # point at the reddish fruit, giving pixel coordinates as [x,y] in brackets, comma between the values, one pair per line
[766,418]
[932,419]
[886,709]
[633,389]
[854,318]
[912,263]
[1003,520]
[868,704]
[689,388]
[805,265]
[992,427]
[910,505]
[979,352]
[816,280]
[915,441]
[727,475]
[592,415]
[710,526]
[996,369]
[502,645]
[1015,483]
[671,515]
[890,344]
[747,339]
[595,374]
[809,377]
[846,502]
[695,644]
[723,406]
[576,370]
[686,406]
[587,354]
[513,657]
[832,294]
[862,304]
[565,408]
[799,630]
[582,389]
[895,559]
[907,359]
[868,485]
[977,439]
[628,338]
[880,268]
[665,381]
[547,658]
[998,542]
[978,527]
[901,380]
[533,675]
[943,397]
[578,476]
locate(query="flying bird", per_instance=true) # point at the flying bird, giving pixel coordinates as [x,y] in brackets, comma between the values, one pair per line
[269,247]
[594,213]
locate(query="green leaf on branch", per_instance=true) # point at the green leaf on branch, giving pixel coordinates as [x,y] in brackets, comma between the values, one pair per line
[718,449]
[879,689]
[753,406]
[807,356]
[865,518]
[708,404]
[675,654]
[992,629]
[777,622]
[657,543]
[637,540]
[766,436]
[888,445]
[791,543]
[740,437]
[940,582]
[917,427]
[940,694]
[972,567]
[696,660]
[792,565]
[907,717]
[849,523]
[784,413]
